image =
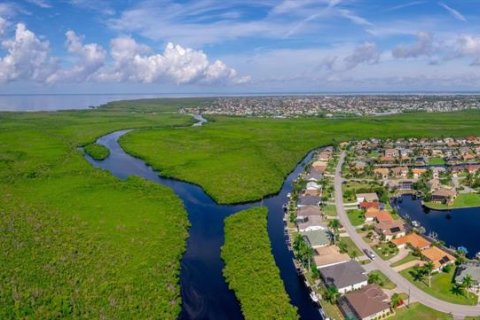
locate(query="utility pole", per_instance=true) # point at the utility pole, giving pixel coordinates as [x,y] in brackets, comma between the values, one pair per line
[408,302]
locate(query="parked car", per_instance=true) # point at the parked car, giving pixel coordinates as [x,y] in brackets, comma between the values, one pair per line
[369,254]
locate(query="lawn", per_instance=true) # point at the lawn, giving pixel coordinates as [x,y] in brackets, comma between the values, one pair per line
[75,241]
[351,247]
[356,217]
[441,287]
[384,282]
[330,210]
[408,258]
[436,161]
[386,250]
[419,311]
[239,159]
[250,268]
[463,200]
[96,151]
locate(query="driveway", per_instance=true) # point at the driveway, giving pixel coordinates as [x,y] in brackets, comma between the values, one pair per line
[402,284]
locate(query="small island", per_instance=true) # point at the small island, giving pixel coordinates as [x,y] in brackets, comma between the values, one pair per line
[97,151]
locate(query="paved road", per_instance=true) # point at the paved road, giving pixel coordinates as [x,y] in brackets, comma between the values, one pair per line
[379,264]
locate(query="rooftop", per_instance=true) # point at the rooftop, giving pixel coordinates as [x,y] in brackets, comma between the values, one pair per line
[344,274]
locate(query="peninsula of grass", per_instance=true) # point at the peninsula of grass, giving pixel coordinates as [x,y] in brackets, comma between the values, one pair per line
[76,242]
[250,268]
[441,287]
[419,311]
[463,200]
[96,151]
[239,159]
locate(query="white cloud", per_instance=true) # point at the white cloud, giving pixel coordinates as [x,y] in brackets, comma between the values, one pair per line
[365,53]
[27,57]
[468,45]
[41,3]
[3,25]
[456,14]
[91,57]
[135,62]
[354,18]
[423,46]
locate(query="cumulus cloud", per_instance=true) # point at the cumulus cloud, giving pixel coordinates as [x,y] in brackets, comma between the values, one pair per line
[27,57]
[468,45]
[91,57]
[422,46]
[135,62]
[365,53]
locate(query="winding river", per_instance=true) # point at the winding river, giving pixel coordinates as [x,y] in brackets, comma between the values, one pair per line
[205,294]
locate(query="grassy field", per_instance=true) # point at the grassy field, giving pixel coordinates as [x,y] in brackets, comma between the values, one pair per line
[250,269]
[96,151]
[441,287]
[76,242]
[352,249]
[385,250]
[408,258]
[463,200]
[433,161]
[242,159]
[356,217]
[420,311]
[385,282]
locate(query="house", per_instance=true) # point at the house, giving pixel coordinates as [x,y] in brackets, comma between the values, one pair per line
[417,172]
[381,173]
[365,205]
[329,256]
[414,240]
[320,166]
[369,197]
[391,229]
[369,302]
[391,153]
[308,201]
[346,276]
[434,184]
[438,257]
[308,223]
[400,172]
[405,184]
[471,269]
[314,176]
[472,168]
[318,237]
[308,211]
[444,195]
[378,216]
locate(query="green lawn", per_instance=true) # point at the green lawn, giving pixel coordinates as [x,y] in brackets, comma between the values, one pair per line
[419,311]
[250,269]
[408,258]
[384,281]
[238,159]
[330,210]
[463,200]
[356,217]
[441,287]
[436,161]
[76,242]
[386,250]
[351,247]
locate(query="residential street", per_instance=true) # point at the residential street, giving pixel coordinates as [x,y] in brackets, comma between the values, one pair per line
[379,264]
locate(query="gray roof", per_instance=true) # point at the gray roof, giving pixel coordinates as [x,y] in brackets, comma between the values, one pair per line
[314,174]
[312,221]
[343,275]
[308,211]
[317,238]
[472,269]
[309,200]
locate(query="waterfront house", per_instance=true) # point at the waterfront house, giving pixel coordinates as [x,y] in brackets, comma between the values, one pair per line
[346,276]
[391,229]
[329,256]
[369,197]
[313,186]
[414,240]
[308,223]
[405,184]
[317,238]
[308,211]
[313,175]
[471,269]
[438,257]
[417,172]
[400,172]
[365,205]
[320,166]
[369,302]
[307,200]
[472,168]
[444,195]
[378,216]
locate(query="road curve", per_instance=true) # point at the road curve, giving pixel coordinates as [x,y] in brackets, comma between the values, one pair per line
[403,284]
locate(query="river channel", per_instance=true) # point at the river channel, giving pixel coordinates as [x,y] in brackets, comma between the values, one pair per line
[205,294]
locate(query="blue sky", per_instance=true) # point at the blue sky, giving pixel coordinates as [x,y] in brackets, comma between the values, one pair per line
[144,46]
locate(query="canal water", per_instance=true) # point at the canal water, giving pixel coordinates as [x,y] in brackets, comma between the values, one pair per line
[205,294]
[457,227]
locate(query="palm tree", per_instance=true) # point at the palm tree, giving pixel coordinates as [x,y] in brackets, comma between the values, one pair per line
[334,224]
[374,277]
[331,295]
[467,283]
[354,254]
[396,300]
[428,268]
